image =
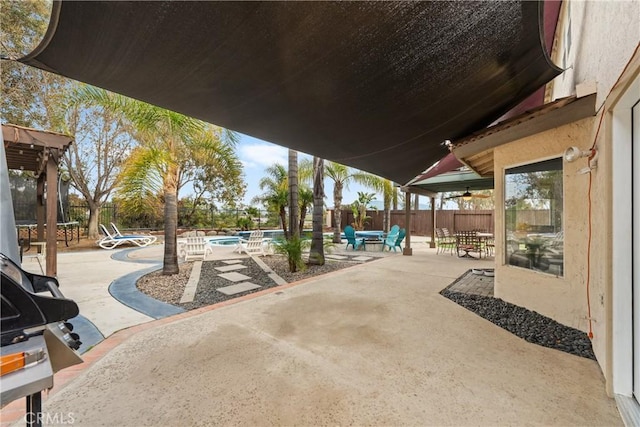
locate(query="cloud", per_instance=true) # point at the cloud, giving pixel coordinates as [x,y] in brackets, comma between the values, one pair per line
[261,155]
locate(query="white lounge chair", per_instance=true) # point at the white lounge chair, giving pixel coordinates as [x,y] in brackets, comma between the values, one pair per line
[195,248]
[110,241]
[254,245]
[117,233]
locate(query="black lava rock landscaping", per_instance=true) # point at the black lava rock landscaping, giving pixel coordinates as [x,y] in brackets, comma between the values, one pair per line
[526,324]
[209,282]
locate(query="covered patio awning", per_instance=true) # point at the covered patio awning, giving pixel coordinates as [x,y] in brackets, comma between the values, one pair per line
[374,85]
[458,180]
[476,150]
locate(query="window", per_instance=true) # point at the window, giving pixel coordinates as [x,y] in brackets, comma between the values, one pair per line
[533,217]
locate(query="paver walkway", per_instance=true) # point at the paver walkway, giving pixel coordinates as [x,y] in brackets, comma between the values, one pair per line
[472,283]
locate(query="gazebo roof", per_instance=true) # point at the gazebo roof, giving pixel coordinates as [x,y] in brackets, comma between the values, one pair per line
[27,149]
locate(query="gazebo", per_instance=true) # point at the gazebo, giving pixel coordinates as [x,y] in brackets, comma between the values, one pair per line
[39,152]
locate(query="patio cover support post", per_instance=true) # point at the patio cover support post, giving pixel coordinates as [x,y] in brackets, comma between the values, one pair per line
[432,244]
[40,207]
[52,213]
[407,223]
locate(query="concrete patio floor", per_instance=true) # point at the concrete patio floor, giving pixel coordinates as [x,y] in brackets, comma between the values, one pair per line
[371,345]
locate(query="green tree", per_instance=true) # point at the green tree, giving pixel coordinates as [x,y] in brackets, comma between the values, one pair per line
[169,142]
[102,144]
[30,97]
[221,182]
[276,197]
[359,209]
[341,176]
[389,195]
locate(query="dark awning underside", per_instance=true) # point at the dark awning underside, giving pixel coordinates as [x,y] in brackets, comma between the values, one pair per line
[374,85]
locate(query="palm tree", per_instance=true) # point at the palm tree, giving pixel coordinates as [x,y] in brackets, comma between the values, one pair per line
[389,195]
[169,142]
[305,199]
[277,195]
[293,193]
[359,209]
[316,253]
[342,176]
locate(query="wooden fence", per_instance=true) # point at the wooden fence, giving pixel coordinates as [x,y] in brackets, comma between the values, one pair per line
[422,223]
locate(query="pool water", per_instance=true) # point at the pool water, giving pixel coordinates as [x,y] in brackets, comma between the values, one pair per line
[223,241]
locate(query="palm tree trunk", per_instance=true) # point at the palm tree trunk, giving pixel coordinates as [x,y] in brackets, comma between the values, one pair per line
[395,199]
[303,214]
[387,196]
[337,211]
[293,193]
[170,265]
[386,217]
[283,220]
[316,254]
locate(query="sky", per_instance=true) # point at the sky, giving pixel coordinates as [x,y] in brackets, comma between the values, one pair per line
[257,155]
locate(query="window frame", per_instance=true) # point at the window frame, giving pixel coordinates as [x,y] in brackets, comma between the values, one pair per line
[559,234]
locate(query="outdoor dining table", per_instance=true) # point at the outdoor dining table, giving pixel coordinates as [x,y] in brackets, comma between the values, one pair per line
[370,235]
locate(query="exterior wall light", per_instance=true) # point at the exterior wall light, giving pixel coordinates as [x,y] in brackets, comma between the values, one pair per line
[572,154]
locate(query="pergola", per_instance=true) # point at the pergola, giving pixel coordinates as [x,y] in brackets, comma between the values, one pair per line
[39,152]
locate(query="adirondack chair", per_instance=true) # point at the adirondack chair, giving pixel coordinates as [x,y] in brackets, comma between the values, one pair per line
[350,235]
[254,245]
[196,248]
[399,240]
[391,238]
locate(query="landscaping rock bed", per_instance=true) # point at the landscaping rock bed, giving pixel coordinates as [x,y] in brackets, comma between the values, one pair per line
[280,265]
[169,289]
[526,324]
[207,293]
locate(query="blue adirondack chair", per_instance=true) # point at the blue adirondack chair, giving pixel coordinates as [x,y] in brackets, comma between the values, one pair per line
[350,235]
[399,240]
[391,238]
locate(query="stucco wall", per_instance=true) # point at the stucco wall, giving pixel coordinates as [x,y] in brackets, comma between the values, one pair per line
[595,41]
[561,298]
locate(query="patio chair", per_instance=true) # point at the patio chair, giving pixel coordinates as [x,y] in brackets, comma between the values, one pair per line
[468,241]
[400,238]
[391,238]
[117,233]
[350,235]
[109,241]
[195,248]
[254,245]
[443,243]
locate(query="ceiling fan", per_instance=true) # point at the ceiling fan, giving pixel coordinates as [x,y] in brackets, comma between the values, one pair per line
[468,196]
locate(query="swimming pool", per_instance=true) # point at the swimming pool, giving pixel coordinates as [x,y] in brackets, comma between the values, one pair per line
[271,234]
